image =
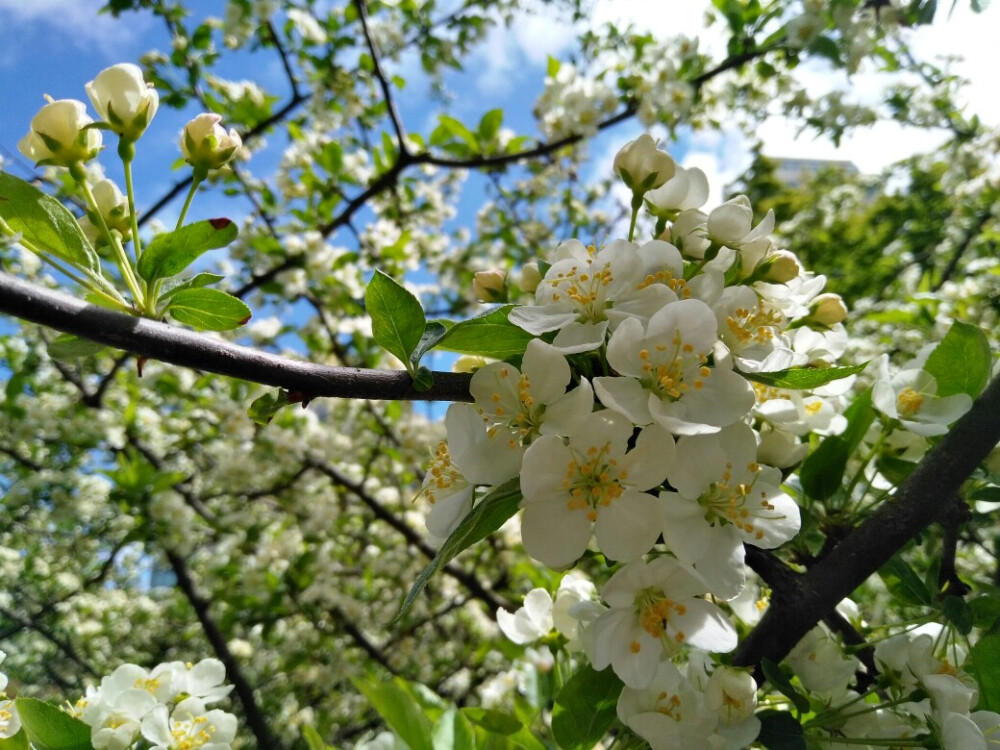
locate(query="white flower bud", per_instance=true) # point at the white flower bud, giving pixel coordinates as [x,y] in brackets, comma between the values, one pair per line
[468,363]
[113,206]
[642,166]
[206,144]
[828,309]
[780,267]
[531,277]
[490,286]
[732,693]
[124,100]
[59,135]
[687,189]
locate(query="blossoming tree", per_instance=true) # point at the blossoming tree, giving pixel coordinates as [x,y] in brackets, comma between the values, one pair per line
[683,494]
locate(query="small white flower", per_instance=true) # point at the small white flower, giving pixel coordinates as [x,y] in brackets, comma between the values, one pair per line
[911,397]
[531,621]
[593,485]
[642,166]
[687,189]
[59,135]
[189,727]
[206,144]
[653,611]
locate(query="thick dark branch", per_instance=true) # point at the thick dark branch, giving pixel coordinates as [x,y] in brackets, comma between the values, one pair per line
[242,688]
[167,343]
[920,500]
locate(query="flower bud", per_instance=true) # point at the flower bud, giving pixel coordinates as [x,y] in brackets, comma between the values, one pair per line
[59,135]
[992,461]
[468,363]
[828,309]
[124,100]
[642,166]
[779,267]
[531,277]
[206,144]
[490,286]
[687,189]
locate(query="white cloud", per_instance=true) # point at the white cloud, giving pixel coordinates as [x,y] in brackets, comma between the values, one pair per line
[68,22]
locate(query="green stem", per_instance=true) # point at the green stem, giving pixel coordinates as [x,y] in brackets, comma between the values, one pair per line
[879,741]
[80,175]
[631,226]
[130,192]
[195,184]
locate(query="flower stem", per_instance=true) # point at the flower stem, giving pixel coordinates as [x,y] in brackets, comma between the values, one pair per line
[78,173]
[195,184]
[130,192]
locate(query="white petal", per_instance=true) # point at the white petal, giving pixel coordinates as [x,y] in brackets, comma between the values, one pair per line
[628,527]
[539,319]
[547,370]
[544,468]
[626,396]
[579,337]
[649,463]
[705,626]
[553,534]
[568,414]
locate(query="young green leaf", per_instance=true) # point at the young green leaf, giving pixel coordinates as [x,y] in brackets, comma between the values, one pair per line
[903,583]
[803,378]
[494,722]
[423,379]
[489,335]
[208,309]
[489,126]
[171,252]
[781,683]
[823,470]
[585,708]
[434,331]
[961,363]
[452,731]
[398,320]
[17,742]
[45,222]
[263,408]
[400,711]
[48,727]
[65,347]
[490,514]
[312,739]
[984,659]
[195,282]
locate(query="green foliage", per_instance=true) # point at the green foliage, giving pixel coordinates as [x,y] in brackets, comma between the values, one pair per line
[585,708]
[398,321]
[984,659]
[492,511]
[18,742]
[803,378]
[779,680]
[822,472]
[171,252]
[779,730]
[904,584]
[961,363]
[263,408]
[208,309]
[45,222]
[66,346]
[48,727]
[490,334]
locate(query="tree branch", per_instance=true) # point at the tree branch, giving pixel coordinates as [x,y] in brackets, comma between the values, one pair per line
[167,343]
[919,502]
[242,688]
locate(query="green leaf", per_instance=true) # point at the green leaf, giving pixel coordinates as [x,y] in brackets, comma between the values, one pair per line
[312,739]
[552,67]
[494,722]
[958,612]
[824,46]
[48,727]
[823,470]
[783,685]
[452,731]
[263,408]
[490,514]
[398,320]
[18,742]
[489,126]
[423,379]
[458,130]
[434,331]
[45,222]
[66,346]
[489,335]
[983,662]
[961,362]
[903,583]
[400,710]
[585,708]
[171,252]
[896,470]
[195,282]
[803,378]
[779,730]
[208,309]
[985,610]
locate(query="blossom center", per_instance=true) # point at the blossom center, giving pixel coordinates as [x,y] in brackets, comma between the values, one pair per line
[736,502]
[669,705]
[593,480]
[193,733]
[584,289]
[671,371]
[908,402]
[655,610]
[442,475]
[755,326]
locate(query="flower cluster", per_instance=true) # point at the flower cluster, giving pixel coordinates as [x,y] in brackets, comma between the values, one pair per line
[632,423]
[10,722]
[165,706]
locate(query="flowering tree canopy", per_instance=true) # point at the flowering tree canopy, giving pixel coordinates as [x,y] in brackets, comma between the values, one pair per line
[715,469]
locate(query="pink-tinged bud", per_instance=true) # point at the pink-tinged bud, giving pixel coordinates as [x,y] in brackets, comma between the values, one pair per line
[206,145]
[59,135]
[828,309]
[124,100]
[490,286]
